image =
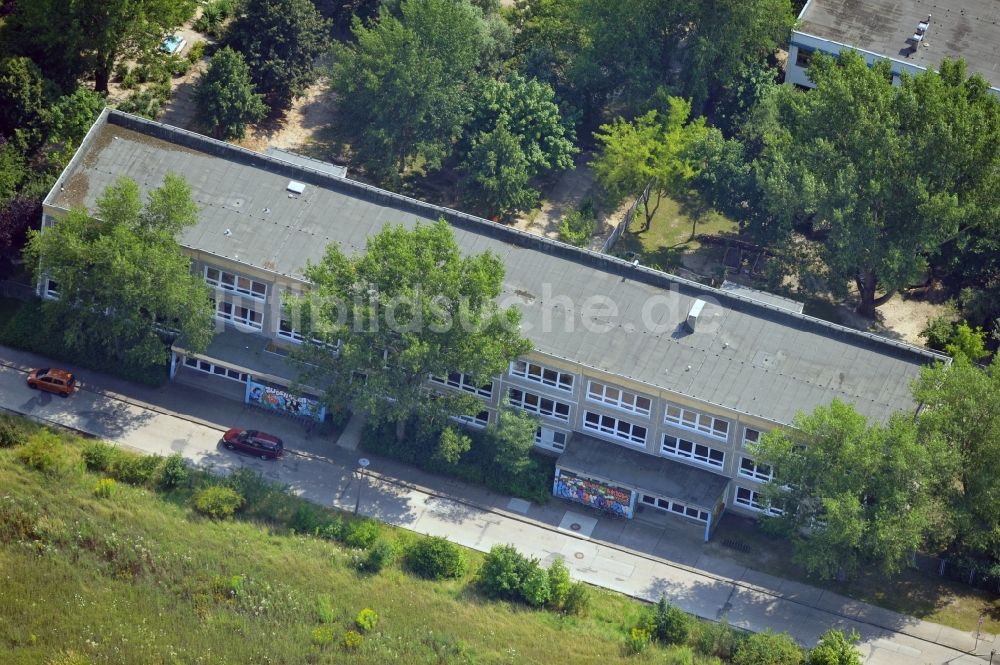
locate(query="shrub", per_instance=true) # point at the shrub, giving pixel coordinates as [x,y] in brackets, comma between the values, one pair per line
[324,608]
[262,498]
[535,586]
[97,455]
[681,655]
[332,530]
[717,639]
[435,558]
[559,584]
[577,226]
[133,468]
[671,624]
[835,648]
[196,51]
[11,432]
[503,572]
[367,619]
[105,488]
[352,640]
[322,635]
[172,473]
[577,600]
[636,641]
[380,554]
[768,648]
[216,501]
[307,518]
[362,533]
[44,452]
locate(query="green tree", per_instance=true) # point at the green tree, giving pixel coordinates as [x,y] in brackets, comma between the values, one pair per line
[768,648]
[631,154]
[670,624]
[123,279]
[835,648]
[408,79]
[280,41]
[497,172]
[69,119]
[225,97]
[884,175]
[49,33]
[408,308]
[967,342]
[451,446]
[12,171]
[22,95]
[510,439]
[959,406]
[887,505]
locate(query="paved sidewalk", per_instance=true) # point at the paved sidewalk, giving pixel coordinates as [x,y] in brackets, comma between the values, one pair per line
[630,557]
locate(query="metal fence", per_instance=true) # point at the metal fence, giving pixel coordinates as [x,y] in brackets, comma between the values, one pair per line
[978,574]
[609,244]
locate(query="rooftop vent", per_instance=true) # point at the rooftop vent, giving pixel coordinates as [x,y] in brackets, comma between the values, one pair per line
[296,187]
[921,31]
[695,314]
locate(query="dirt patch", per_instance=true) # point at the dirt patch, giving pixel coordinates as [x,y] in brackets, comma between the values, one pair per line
[297,128]
[904,317]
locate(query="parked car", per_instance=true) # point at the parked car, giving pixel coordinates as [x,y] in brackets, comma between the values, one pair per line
[52,380]
[259,444]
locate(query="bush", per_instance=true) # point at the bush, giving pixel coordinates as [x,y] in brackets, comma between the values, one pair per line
[133,468]
[97,455]
[172,473]
[216,501]
[503,572]
[577,227]
[435,558]
[362,533]
[322,635]
[681,655]
[577,600]
[105,488]
[332,530]
[44,452]
[636,641]
[718,639]
[535,587]
[352,640]
[196,52]
[307,518]
[559,584]
[366,620]
[12,433]
[768,648]
[263,499]
[380,554]
[671,624]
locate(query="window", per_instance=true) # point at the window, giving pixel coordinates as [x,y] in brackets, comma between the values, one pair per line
[51,289]
[543,375]
[540,405]
[232,282]
[622,399]
[754,501]
[754,471]
[217,370]
[239,314]
[464,382]
[550,438]
[677,507]
[750,436]
[677,447]
[289,332]
[699,422]
[803,56]
[481,419]
[614,427]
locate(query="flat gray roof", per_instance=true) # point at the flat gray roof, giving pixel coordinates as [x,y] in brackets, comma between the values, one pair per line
[653,475]
[308,162]
[967,29]
[747,356]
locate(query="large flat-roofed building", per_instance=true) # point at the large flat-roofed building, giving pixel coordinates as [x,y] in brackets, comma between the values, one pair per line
[646,385]
[913,36]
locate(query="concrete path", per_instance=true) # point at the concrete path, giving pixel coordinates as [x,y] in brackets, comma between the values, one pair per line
[629,557]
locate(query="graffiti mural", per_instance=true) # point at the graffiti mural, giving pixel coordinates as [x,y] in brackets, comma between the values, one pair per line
[277,399]
[592,493]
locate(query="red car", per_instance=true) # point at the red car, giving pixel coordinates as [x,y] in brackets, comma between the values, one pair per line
[258,444]
[52,380]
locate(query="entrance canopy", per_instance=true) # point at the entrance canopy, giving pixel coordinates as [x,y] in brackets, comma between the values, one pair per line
[647,474]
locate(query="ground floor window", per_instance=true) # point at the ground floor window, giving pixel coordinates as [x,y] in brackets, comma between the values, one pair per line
[217,370]
[550,439]
[755,501]
[675,507]
[481,419]
[51,289]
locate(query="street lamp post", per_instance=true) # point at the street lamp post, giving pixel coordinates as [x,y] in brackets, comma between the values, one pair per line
[362,465]
[993,652]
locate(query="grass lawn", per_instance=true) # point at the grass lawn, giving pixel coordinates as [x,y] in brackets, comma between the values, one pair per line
[670,232]
[137,577]
[911,592]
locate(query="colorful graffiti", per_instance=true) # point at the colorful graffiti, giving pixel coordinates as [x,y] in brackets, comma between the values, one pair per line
[592,493]
[277,399]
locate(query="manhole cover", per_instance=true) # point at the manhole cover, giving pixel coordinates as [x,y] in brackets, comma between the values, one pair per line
[574,527]
[579,555]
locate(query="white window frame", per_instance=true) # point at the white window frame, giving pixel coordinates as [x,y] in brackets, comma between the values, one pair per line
[746,440]
[540,374]
[540,404]
[215,370]
[461,381]
[616,431]
[550,442]
[752,502]
[234,285]
[626,400]
[696,421]
[51,292]
[754,471]
[291,334]
[228,311]
[474,421]
[674,507]
[671,446]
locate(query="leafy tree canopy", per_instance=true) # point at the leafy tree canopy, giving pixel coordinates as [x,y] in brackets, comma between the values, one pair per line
[123,279]
[225,96]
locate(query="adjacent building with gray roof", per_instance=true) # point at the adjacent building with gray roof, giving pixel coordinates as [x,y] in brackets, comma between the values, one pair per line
[626,358]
